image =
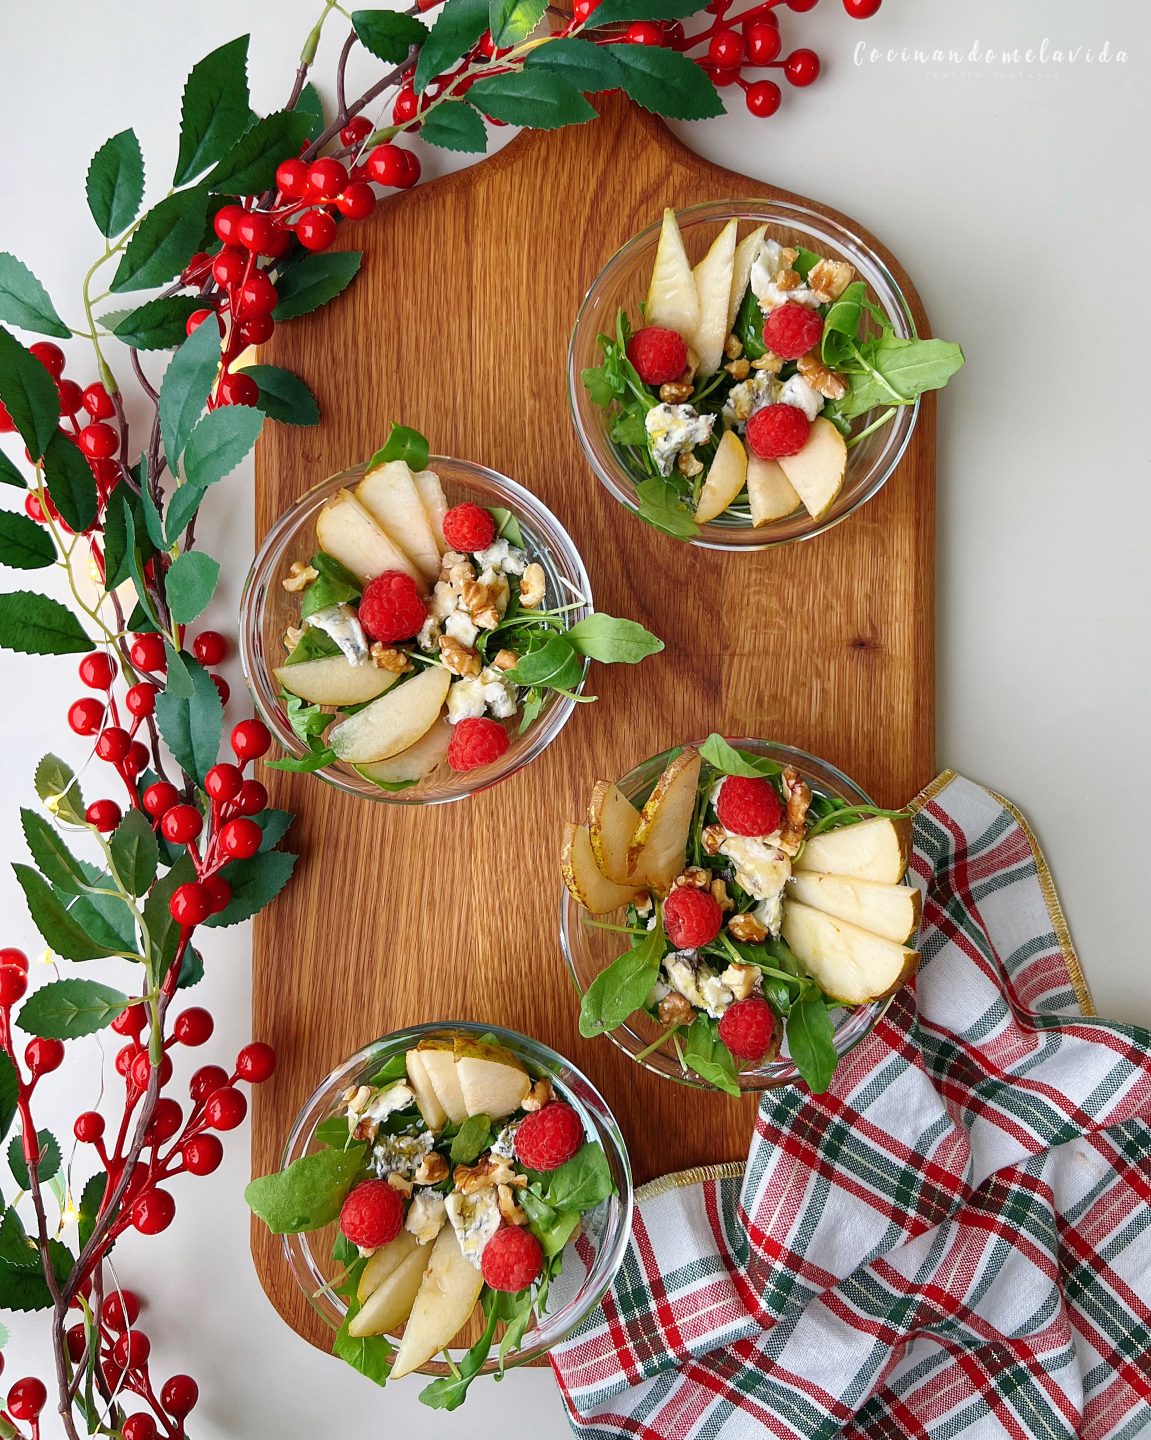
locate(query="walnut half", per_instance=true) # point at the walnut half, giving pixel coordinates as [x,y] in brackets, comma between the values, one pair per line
[459,659]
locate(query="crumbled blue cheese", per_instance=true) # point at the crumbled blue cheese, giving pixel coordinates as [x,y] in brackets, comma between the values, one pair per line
[752,394]
[466,699]
[426,1216]
[762,870]
[341,624]
[489,692]
[741,980]
[429,634]
[504,1145]
[475,1219]
[388,1100]
[444,599]
[766,269]
[502,555]
[673,430]
[460,626]
[400,1154]
[697,982]
[799,393]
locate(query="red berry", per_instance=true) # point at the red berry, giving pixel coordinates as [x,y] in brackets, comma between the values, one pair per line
[223,782]
[29,1396]
[240,839]
[13,985]
[159,798]
[113,744]
[862,9]
[777,430]
[725,49]
[227,223]
[99,441]
[182,824]
[257,295]
[166,1120]
[7,424]
[252,798]
[475,742]
[237,389]
[792,330]
[356,131]
[747,1028]
[659,355]
[254,232]
[691,917]
[202,1154]
[126,1057]
[802,5]
[86,716]
[720,77]
[644,32]
[469,528]
[137,758]
[512,1259]
[405,108]
[388,165]
[190,905]
[76,1338]
[412,174]
[802,67]
[545,1139]
[250,740]
[357,201]
[131,1350]
[229,266]
[9,955]
[89,1127]
[763,98]
[315,230]
[257,329]
[97,670]
[391,608]
[44,1056]
[50,356]
[34,509]
[152,1212]
[225,1108]
[140,700]
[582,10]
[292,178]
[206,1081]
[193,1026]
[71,397]
[140,1426]
[195,320]
[141,1070]
[147,652]
[103,815]
[210,647]
[98,402]
[763,42]
[256,1063]
[749,805]
[131,1021]
[121,1310]
[219,893]
[372,1214]
[179,1395]
[326,178]
[223,689]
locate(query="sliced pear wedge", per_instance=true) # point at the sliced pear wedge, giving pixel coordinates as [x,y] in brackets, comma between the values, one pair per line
[394,721]
[448,1293]
[416,761]
[888,910]
[435,1116]
[389,1302]
[851,965]
[658,849]
[384,1262]
[611,823]
[346,532]
[725,479]
[671,298]
[745,253]
[713,277]
[875,849]
[439,1060]
[770,493]
[388,493]
[492,1080]
[434,501]
[817,472]
[586,882]
[333,680]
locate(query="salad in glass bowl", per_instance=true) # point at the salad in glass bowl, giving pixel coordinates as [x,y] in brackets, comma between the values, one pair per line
[764,907]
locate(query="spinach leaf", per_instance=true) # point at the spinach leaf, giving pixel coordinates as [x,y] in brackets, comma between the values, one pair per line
[313,645]
[472,1139]
[612,641]
[893,371]
[729,761]
[709,1057]
[334,585]
[661,506]
[402,443]
[580,1183]
[554,664]
[451,1391]
[811,1040]
[622,988]
[748,328]
[841,324]
[309,1193]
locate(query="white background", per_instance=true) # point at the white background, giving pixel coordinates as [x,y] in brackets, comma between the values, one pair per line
[1017,199]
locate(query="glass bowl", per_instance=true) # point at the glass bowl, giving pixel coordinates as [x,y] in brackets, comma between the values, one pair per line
[598,1248]
[623,283]
[267,610]
[589,950]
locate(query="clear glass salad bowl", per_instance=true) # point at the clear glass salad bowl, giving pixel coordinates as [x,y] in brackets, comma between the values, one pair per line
[589,949]
[601,1240]
[623,283]
[267,610]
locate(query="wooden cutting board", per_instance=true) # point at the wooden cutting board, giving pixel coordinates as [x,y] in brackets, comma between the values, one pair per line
[458,325]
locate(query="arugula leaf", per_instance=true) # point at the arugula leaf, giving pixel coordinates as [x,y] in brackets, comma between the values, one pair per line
[507,526]
[708,1056]
[163,242]
[661,506]
[894,371]
[25,302]
[405,444]
[455,126]
[612,641]
[729,761]
[622,988]
[450,1391]
[535,98]
[665,82]
[394,1068]
[748,327]
[65,1009]
[24,545]
[371,1355]
[308,1194]
[811,1040]
[458,26]
[313,644]
[555,664]
[841,323]
[115,183]
[334,585]
[215,109]
[472,1139]
[312,281]
[388,35]
[284,396]
[28,393]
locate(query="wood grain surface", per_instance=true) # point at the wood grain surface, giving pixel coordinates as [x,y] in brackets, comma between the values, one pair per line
[458,325]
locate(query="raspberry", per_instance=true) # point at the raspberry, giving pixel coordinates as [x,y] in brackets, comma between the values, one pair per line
[777,430]
[748,806]
[747,1028]
[469,528]
[391,608]
[512,1259]
[792,330]
[475,742]
[372,1214]
[658,355]
[691,917]
[546,1138]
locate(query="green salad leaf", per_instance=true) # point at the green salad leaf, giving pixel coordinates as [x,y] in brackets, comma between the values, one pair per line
[729,761]
[708,1056]
[307,1195]
[811,1039]
[623,987]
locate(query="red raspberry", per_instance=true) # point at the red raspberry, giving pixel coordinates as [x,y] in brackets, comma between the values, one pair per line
[777,430]
[747,1028]
[512,1259]
[476,742]
[658,355]
[691,917]
[792,330]
[546,1138]
[748,806]
[372,1214]
[391,607]
[469,528]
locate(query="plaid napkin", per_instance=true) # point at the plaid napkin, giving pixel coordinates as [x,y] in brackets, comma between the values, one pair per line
[955,1240]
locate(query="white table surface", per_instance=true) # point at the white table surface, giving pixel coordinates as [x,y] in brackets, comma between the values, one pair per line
[1015,195]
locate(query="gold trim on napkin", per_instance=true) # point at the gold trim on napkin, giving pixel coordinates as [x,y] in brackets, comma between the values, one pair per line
[729,1170]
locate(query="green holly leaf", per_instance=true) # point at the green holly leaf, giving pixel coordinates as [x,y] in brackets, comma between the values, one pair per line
[28,393]
[534,98]
[23,1289]
[70,482]
[55,784]
[311,282]
[62,933]
[47,1166]
[311,105]
[191,724]
[284,396]
[166,239]
[160,324]
[65,1009]
[185,387]
[191,582]
[308,1194]
[666,82]
[254,883]
[455,126]
[586,67]
[388,35]
[249,166]
[116,183]
[9,1091]
[135,853]
[512,21]
[25,302]
[162,929]
[220,442]
[458,26]
[215,109]
[9,474]
[611,12]
[90,1200]
[53,858]
[36,625]
[24,545]
[183,505]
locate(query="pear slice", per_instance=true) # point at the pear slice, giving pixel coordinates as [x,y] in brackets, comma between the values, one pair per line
[346,532]
[439,1060]
[416,761]
[888,910]
[770,492]
[434,501]
[333,680]
[671,298]
[611,821]
[745,253]
[435,1116]
[586,882]
[713,276]
[451,1286]
[389,1303]
[725,479]
[658,849]
[874,849]
[388,493]
[492,1080]
[817,472]
[394,721]
[384,1262]
[851,965]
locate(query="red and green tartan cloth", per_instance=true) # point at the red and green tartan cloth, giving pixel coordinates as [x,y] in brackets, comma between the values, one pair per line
[954,1241]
